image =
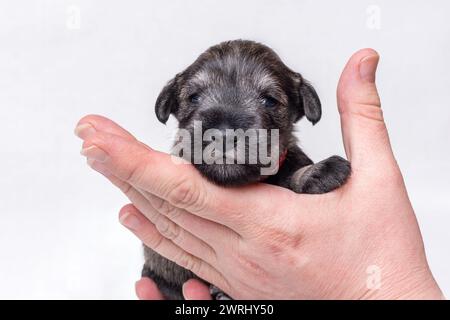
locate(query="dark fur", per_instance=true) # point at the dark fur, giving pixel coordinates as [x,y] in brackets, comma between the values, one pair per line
[232,79]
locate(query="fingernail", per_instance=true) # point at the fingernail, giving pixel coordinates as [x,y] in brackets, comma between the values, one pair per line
[130,221]
[184,291]
[368,68]
[84,131]
[94,152]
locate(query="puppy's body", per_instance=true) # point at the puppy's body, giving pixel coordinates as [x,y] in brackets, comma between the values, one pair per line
[243,85]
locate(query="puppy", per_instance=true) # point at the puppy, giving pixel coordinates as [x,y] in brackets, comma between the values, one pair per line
[243,85]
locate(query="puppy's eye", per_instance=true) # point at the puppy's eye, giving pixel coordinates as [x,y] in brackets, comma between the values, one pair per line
[269,102]
[194,98]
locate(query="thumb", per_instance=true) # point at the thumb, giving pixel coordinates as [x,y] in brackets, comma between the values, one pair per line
[364,132]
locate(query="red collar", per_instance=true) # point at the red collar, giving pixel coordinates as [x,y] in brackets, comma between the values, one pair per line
[282,158]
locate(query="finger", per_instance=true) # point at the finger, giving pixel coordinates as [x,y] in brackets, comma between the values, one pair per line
[150,236]
[174,233]
[151,206]
[102,124]
[208,231]
[196,290]
[364,132]
[181,184]
[106,125]
[146,289]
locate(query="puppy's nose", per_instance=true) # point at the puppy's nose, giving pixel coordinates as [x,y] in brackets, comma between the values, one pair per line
[222,119]
[223,126]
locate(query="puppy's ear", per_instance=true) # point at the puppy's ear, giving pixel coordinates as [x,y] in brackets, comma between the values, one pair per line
[167,101]
[309,101]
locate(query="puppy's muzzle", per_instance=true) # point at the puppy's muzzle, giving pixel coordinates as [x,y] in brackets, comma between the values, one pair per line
[223,118]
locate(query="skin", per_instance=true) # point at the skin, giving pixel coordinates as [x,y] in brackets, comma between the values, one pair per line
[315,246]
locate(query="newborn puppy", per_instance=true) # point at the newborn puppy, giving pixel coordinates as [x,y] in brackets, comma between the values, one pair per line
[242,85]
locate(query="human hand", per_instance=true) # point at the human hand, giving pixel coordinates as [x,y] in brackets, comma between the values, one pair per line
[146,289]
[262,241]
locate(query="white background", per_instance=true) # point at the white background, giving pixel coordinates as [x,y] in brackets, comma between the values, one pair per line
[59,235]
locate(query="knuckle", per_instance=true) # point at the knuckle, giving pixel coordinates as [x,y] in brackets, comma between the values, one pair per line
[196,266]
[173,213]
[166,209]
[159,204]
[168,229]
[152,240]
[369,110]
[185,194]
[188,262]
[352,97]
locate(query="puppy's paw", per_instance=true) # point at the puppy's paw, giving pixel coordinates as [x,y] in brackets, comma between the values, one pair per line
[322,177]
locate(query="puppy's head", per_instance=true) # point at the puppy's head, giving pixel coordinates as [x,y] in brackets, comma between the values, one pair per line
[238,85]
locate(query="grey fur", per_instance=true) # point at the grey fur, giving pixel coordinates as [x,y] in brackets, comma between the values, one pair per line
[229,87]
